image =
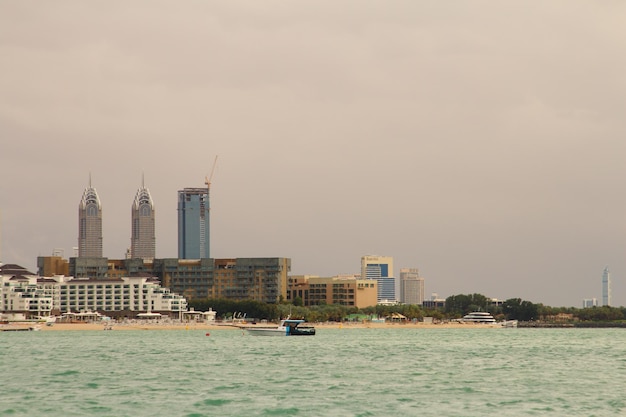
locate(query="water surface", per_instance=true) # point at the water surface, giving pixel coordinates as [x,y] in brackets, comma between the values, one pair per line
[338,372]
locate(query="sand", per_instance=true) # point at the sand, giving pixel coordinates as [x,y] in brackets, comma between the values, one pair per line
[204,326]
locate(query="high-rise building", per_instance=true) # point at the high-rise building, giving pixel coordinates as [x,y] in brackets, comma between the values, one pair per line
[143,239]
[380,268]
[411,286]
[606,287]
[90,224]
[193,223]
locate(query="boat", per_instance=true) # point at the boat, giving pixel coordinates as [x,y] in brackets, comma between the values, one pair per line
[287,327]
[20,328]
[479,317]
[509,324]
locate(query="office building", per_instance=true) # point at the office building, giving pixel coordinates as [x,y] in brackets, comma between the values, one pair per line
[259,279]
[143,239]
[411,286]
[90,224]
[48,266]
[606,287]
[87,267]
[380,268]
[193,223]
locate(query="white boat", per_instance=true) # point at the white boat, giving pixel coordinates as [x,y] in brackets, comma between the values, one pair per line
[287,327]
[479,317]
[19,328]
[509,324]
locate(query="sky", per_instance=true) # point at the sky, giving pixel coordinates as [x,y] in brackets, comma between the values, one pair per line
[482,142]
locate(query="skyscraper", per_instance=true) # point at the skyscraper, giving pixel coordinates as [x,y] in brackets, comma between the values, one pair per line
[193,223]
[380,268]
[90,224]
[143,239]
[606,287]
[411,286]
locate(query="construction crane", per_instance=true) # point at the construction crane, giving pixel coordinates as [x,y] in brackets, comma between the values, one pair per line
[207,180]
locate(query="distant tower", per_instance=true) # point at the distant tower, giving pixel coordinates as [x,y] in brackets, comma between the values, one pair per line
[143,239]
[193,223]
[193,220]
[90,224]
[606,287]
[411,286]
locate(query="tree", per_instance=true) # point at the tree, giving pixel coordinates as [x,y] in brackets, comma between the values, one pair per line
[462,304]
[517,309]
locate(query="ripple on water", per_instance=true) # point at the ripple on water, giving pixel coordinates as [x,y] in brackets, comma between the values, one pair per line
[347,372]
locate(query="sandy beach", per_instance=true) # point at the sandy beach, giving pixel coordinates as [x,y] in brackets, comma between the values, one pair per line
[216,326]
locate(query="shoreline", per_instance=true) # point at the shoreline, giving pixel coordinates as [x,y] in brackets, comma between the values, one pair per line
[216,326]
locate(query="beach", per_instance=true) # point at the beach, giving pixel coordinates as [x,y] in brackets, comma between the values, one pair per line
[225,326]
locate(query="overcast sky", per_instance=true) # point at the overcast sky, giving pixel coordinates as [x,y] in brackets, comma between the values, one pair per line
[482,142]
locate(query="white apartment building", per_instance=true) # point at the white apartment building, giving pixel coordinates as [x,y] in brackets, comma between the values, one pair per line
[22,295]
[133,294]
[20,292]
[24,292]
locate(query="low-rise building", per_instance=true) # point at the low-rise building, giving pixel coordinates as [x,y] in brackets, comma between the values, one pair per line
[125,296]
[343,290]
[20,293]
[24,292]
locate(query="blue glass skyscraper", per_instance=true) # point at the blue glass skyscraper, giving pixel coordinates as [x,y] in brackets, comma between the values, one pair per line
[193,223]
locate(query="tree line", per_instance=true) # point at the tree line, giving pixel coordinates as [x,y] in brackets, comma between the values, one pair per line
[456,306]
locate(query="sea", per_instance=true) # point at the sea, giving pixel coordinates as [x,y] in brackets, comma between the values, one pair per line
[391,371]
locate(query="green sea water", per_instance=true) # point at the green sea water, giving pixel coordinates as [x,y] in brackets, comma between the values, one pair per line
[338,372]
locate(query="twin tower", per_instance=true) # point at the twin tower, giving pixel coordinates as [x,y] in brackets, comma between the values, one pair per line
[193,224]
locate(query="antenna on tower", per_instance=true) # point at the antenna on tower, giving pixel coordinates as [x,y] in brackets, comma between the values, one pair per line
[207,180]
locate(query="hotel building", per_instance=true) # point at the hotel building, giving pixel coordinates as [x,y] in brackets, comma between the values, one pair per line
[20,293]
[35,296]
[116,296]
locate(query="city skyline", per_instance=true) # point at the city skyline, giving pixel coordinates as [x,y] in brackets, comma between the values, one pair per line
[481,143]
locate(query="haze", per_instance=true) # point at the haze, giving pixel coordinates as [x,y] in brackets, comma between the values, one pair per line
[479,141]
